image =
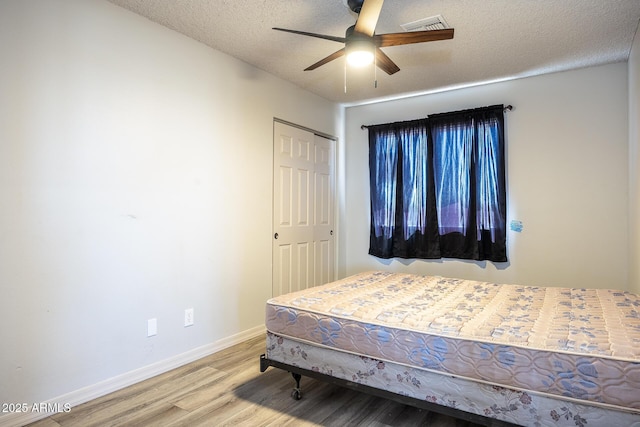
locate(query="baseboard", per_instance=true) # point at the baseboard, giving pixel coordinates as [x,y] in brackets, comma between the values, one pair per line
[77,397]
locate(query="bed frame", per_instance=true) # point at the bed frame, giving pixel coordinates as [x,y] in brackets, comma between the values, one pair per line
[296,393]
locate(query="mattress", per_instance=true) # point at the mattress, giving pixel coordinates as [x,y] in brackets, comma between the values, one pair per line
[574,344]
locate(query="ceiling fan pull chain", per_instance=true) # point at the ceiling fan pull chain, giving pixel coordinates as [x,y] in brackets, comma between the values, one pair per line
[375,72]
[345,76]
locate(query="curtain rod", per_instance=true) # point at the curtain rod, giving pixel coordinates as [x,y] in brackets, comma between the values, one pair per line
[506,108]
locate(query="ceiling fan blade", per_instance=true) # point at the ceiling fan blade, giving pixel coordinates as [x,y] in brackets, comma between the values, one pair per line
[397,39]
[368,17]
[318,36]
[385,63]
[334,55]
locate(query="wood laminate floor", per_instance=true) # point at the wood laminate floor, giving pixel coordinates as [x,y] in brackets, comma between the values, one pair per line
[228,389]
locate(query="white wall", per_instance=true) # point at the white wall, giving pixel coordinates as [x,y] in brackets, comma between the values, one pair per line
[566,175]
[634,164]
[135,179]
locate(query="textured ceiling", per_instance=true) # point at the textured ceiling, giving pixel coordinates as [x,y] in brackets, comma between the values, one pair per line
[494,39]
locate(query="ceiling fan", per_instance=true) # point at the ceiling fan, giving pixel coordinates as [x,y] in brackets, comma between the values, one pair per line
[361,42]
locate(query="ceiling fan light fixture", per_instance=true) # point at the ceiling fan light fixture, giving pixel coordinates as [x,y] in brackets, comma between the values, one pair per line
[360,53]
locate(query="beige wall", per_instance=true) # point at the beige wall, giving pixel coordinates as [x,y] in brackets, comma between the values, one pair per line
[567,179]
[634,164]
[135,179]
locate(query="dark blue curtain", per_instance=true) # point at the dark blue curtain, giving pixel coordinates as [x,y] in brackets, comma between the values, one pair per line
[438,187]
[403,216]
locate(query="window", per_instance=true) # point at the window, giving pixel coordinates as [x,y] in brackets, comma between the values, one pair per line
[438,187]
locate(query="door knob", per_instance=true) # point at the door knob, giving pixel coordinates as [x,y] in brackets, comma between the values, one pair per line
[275,236]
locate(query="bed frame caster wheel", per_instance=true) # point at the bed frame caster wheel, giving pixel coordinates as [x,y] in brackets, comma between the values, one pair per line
[296,393]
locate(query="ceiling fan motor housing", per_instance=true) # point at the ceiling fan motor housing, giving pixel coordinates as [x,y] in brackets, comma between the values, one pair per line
[355,5]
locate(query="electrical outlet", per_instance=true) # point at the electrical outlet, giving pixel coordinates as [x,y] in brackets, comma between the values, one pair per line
[152,327]
[188,317]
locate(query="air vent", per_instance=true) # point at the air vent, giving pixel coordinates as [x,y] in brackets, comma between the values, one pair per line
[426,24]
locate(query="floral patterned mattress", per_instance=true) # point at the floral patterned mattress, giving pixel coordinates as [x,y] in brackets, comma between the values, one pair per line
[575,344]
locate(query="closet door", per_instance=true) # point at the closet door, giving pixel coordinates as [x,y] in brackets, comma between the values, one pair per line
[303,209]
[324,208]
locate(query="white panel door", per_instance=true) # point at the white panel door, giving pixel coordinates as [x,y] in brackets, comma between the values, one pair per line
[303,248]
[323,239]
